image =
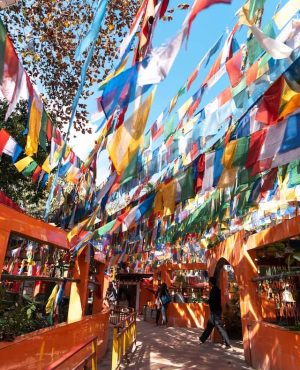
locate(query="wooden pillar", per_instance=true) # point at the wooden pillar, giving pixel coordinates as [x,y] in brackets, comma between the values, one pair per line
[4,239]
[79,291]
[99,292]
[165,275]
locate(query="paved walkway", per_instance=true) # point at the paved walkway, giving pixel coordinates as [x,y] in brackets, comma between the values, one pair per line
[161,348]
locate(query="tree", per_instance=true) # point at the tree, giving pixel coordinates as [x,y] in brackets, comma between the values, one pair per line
[17,187]
[46,34]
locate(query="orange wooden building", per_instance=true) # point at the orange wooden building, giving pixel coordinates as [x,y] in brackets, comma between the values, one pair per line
[40,348]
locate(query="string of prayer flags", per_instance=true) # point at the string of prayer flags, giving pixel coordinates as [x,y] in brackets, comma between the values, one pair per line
[93,32]
[286,13]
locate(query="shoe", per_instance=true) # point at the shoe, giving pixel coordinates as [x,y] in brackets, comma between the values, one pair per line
[201,342]
[227,347]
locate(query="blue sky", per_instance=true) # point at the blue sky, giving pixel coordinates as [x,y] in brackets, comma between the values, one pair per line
[206,29]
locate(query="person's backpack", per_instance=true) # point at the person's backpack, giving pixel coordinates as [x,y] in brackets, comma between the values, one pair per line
[165,299]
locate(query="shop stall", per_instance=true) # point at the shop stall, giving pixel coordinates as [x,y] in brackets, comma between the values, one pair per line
[266,269]
[50,303]
[188,287]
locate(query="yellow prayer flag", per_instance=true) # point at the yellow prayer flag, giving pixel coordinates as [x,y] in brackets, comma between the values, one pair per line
[286,13]
[128,137]
[290,102]
[229,153]
[227,178]
[244,16]
[34,127]
[73,175]
[183,109]
[46,165]
[23,163]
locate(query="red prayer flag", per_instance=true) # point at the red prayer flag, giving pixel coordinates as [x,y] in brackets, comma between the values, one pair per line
[36,174]
[257,140]
[268,181]
[268,109]
[261,166]
[192,77]
[4,136]
[200,170]
[233,67]
[49,130]
[200,5]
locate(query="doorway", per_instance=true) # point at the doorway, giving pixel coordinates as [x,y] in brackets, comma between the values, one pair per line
[230,299]
[129,291]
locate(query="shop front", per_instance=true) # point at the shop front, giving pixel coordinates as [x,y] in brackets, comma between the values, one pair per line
[49,302]
[188,287]
[267,272]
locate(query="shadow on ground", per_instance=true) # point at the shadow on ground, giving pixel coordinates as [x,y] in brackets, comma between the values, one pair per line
[161,348]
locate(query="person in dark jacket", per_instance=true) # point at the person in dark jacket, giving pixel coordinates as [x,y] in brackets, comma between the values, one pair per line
[165,299]
[215,319]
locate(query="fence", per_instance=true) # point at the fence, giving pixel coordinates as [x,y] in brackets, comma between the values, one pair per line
[118,314]
[124,339]
[83,364]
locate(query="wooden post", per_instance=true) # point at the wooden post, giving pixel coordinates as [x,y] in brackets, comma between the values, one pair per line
[115,350]
[99,294]
[79,291]
[4,239]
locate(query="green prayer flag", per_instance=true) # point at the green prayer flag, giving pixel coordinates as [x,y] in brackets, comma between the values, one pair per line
[147,140]
[29,169]
[186,182]
[2,49]
[43,131]
[294,171]
[254,6]
[105,228]
[241,152]
[254,48]
[130,171]
[244,180]
[168,128]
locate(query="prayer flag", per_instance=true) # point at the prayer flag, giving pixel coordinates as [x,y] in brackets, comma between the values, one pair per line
[291,139]
[29,169]
[93,32]
[198,6]
[2,49]
[256,142]
[4,137]
[208,178]
[127,138]
[34,126]
[286,13]
[23,163]
[268,108]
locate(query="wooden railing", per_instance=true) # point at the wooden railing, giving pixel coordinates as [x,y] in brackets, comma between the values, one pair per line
[124,339]
[118,314]
[84,362]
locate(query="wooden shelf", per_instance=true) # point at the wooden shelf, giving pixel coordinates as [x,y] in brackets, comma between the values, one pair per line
[277,276]
[5,277]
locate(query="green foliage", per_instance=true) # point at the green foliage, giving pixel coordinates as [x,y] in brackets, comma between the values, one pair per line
[17,187]
[20,319]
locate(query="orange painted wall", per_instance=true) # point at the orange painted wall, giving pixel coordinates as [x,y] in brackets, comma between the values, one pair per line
[266,346]
[145,296]
[274,348]
[188,315]
[41,348]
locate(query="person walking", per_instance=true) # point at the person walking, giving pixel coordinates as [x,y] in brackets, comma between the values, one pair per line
[215,319]
[158,305]
[165,299]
